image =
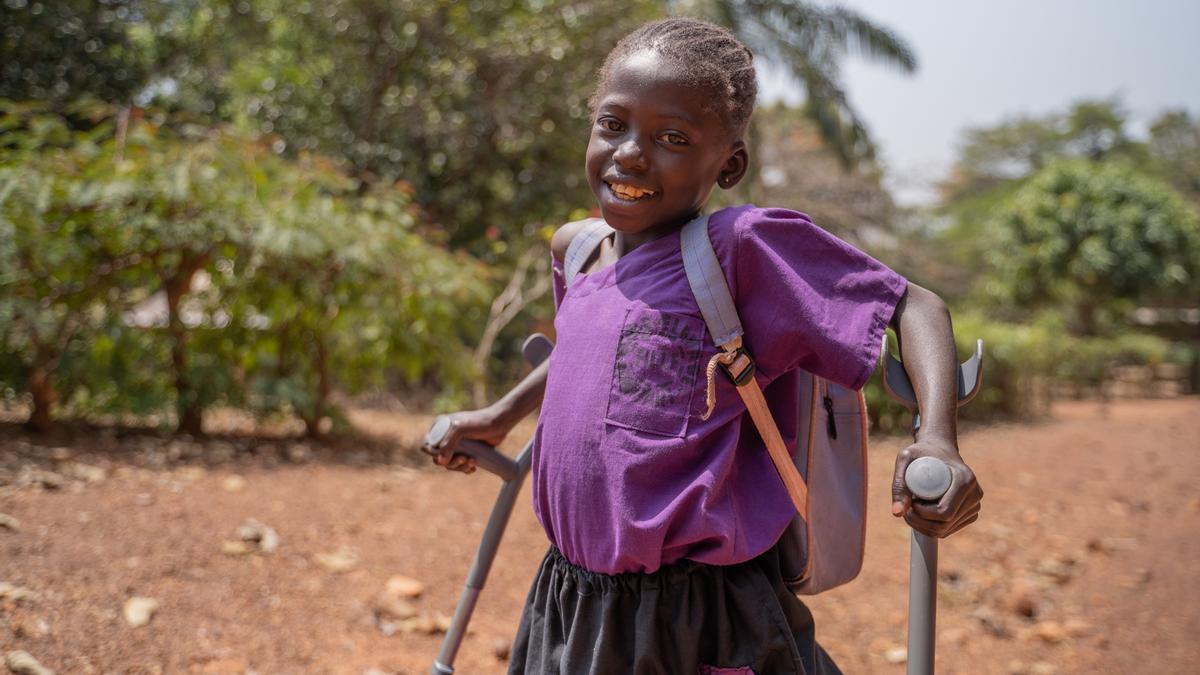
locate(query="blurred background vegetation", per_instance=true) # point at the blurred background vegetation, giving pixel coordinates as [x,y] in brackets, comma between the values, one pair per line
[279,205]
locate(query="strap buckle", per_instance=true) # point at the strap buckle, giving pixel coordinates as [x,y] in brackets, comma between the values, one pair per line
[740,368]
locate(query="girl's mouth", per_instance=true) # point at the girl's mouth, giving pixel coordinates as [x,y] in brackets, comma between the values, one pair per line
[629,193]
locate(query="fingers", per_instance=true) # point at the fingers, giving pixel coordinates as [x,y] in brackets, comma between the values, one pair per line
[942,528]
[902,501]
[461,463]
[442,451]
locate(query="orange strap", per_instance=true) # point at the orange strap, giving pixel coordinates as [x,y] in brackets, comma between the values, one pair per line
[736,361]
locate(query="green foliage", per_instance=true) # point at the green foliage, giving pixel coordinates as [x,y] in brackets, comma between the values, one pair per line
[1094,238]
[149,256]
[1025,363]
[1175,146]
[64,50]
[476,105]
[809,41]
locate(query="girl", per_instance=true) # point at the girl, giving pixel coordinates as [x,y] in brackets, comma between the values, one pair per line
[663,520]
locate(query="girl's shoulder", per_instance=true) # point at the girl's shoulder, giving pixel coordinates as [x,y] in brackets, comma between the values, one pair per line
[563,236]
[755,226]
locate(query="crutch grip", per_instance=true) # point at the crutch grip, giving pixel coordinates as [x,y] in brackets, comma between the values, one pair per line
[486,457]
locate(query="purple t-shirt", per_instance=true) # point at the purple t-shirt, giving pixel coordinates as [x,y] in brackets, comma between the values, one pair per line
[626,476]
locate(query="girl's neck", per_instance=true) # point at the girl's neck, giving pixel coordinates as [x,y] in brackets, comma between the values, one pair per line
[625,242]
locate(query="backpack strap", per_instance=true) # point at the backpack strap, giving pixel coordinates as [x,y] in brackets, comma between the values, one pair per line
[707,280]
[582,245]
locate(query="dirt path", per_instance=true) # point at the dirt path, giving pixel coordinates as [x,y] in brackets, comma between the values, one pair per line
[1085,560]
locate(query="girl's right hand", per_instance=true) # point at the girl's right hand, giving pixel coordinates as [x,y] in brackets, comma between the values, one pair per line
[486,425]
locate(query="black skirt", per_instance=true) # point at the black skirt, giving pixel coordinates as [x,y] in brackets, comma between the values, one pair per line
[682,619]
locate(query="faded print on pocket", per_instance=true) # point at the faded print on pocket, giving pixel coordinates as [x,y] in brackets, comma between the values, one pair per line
[654,376]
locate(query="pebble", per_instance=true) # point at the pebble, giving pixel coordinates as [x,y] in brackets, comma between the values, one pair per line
[405,587]
[501,649]
[139,610]
[236,548]
[896,655]
[341,560]
[23,663]
[234,483]
[18,594]
[8,522]
[1043,668]
[264,538]
[1050,631]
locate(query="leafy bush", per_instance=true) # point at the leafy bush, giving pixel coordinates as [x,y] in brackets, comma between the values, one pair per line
[1022,363]
[146,261]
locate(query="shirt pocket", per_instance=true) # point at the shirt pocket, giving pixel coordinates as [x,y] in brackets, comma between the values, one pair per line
[655,371]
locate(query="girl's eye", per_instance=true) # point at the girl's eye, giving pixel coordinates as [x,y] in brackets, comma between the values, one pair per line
[609,124]
[674,138]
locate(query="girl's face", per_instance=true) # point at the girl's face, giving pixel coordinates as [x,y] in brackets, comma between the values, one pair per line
[657,147]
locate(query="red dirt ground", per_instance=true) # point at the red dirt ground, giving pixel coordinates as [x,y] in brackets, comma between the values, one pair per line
[1085,560]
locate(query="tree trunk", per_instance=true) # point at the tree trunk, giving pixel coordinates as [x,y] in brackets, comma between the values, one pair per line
[312,422]
[41,386]
[187,403]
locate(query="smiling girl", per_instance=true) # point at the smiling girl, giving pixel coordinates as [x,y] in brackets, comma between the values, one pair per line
[663,514]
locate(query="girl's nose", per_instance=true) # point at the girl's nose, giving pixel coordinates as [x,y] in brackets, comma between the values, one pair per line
[630,156]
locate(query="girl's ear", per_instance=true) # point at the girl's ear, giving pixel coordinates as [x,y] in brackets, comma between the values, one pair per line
[735,167]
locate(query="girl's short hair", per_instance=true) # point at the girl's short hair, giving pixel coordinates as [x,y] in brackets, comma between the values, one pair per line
[708,55]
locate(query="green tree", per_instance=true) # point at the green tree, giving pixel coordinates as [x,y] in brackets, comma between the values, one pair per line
[1092,238]
[64,50]
[810,41]
[994,157]
[1175,146]
[150,255]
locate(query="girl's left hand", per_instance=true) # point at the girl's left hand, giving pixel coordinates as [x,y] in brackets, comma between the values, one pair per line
[956,509]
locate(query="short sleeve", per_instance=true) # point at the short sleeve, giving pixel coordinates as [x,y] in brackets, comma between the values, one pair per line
[806,298]
[559,279]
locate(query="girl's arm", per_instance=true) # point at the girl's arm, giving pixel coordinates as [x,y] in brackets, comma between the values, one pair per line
[490,424]
[922,325]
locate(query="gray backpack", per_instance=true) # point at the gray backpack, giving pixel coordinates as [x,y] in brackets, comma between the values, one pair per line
[826,474]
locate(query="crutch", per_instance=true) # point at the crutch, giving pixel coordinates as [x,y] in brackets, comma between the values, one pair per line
[927,478]
[512,471]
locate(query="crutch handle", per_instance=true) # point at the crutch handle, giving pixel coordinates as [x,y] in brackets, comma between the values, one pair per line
[486,457]
[927,478]
[536,349]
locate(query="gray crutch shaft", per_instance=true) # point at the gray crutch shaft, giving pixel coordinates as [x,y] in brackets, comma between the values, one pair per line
[485,555]
[536,350]
[927,478]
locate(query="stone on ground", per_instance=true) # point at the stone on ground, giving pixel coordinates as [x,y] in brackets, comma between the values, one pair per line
[22,663]
[139,610]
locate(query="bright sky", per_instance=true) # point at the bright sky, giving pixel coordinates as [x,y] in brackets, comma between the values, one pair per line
[983,62]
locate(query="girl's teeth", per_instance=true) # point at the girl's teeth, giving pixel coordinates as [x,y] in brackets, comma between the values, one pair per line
[629,192]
